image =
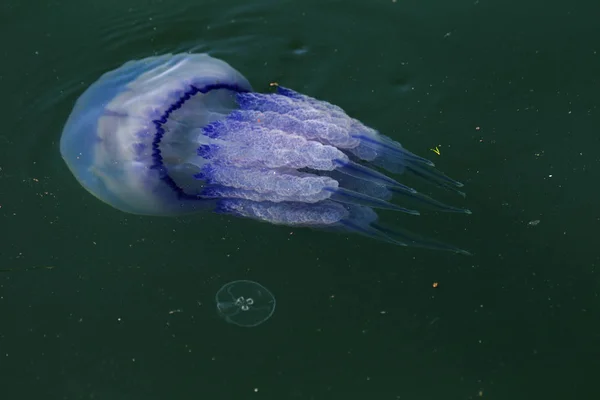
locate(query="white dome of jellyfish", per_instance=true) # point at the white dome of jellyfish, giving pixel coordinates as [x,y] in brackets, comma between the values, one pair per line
[185,133]
[245,303]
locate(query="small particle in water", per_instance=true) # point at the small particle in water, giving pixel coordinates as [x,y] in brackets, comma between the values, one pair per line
[534,222]
[300,51]
[435,284]
[436,150]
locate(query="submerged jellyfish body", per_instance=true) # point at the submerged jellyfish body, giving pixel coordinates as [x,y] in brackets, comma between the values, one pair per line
[245,303]
[177,134]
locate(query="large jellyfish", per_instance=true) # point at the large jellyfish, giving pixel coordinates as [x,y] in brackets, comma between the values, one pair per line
[177,134]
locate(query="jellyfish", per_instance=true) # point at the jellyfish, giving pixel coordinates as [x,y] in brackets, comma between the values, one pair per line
[245,303]
[183,133]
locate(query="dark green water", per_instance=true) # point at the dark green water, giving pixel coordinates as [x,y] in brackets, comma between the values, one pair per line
[508,91]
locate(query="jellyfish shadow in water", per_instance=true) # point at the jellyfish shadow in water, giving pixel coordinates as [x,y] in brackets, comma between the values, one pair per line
[245,303]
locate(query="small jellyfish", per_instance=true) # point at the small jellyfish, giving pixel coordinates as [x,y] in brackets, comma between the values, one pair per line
[245,303]
[185,133]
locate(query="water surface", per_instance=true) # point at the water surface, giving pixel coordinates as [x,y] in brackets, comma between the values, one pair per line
[97,304]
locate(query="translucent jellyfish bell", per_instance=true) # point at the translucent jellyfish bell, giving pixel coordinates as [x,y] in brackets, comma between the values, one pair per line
[245,303]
